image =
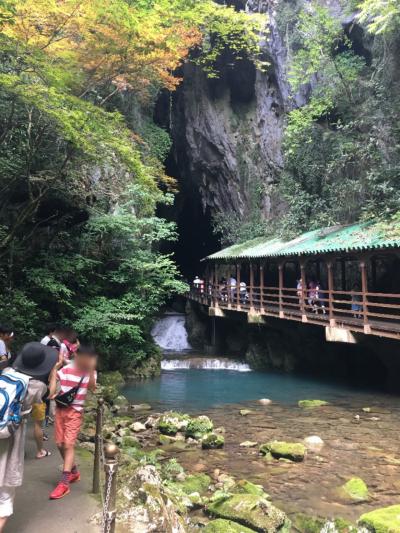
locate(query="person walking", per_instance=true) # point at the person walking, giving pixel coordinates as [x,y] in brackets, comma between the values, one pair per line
[74,379]
[6,338]
[35,364]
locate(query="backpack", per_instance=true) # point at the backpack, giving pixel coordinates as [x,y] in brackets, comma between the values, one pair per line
[13,389]
[66,399]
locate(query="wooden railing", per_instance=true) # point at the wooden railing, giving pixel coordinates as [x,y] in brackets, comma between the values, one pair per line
[368,312]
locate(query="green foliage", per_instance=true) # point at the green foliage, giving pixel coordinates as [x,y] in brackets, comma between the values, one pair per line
[342,157]
[382,16]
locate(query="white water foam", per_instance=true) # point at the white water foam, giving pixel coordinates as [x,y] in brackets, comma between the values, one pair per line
[170,333]
[204,364]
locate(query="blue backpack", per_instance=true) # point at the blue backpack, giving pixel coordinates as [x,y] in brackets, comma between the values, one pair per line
[13,389]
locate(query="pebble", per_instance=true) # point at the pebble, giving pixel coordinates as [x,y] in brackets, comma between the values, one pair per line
[314,443]
[264,401]
[248,444]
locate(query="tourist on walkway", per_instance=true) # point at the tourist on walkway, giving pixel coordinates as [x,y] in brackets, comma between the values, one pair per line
[6,338]
[223,291]
[197,283]
[232,283]
[299,291]
[35,364]
[74,380]
[243,292]
[356,299]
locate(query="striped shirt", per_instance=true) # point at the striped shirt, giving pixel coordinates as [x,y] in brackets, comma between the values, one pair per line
[69,377]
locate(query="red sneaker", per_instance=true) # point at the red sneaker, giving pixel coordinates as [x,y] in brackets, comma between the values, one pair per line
[74,477]
[60,491]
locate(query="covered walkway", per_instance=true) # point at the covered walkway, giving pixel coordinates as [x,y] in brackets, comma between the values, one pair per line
[346,279]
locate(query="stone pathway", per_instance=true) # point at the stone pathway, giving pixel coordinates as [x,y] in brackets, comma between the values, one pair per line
[35,513]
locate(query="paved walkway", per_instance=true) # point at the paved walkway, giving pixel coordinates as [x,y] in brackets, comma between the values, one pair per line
[35,513]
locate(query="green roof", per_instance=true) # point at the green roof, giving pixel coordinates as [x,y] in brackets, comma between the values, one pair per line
[357,237]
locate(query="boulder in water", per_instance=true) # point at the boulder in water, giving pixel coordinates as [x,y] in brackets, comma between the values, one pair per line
[245,412]
[248,444]
[212,441]
[172,422]
[355,490]
[137,427]
[294,451]
[246,487]
[314,443]
[141,407]
[198,427]
[384,520]
[252,511]
[264,401]
[194,483]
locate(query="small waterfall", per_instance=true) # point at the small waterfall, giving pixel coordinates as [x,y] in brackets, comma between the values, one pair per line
[169,333]
[204,363]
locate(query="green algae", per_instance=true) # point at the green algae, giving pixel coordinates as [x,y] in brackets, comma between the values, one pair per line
[193,483]
[172,422]
[313,524]
[246,487]
[294,451]
[384,520]
[309,404]
[355,489]
[226,526]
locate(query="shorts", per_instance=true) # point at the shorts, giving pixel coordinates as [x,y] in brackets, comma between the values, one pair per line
[67,425]
[39,412]
[7,495]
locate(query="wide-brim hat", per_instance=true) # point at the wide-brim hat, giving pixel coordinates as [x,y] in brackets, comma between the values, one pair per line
[36,360]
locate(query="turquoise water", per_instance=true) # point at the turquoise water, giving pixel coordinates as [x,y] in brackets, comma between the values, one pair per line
[197,389]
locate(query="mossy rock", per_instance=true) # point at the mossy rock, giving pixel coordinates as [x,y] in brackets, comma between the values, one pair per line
[164,440]
[314,524]
[122,421]
[212,441]
[130,442]
[309,404]
[193,483]
[198,427]
[111,383]
[246,487]
[354,489]
[121,402]
[294,451]
[172,422]
[225,526]
[384,520]
[254,512]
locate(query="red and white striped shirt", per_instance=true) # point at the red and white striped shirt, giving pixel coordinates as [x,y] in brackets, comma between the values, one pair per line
[69,377]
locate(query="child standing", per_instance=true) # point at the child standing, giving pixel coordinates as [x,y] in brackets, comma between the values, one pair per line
[75,379]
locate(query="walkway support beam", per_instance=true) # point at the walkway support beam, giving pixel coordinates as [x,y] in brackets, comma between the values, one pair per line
[281,266]
[332,321]
[238,285]
[251,286]
[261,288]
[364,288]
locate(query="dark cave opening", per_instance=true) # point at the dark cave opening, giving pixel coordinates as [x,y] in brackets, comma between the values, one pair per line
[196,239]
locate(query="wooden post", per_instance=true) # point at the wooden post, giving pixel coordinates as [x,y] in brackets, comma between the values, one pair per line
[262,288]
[238,286]
[364,288]
[303,291]
[251,286]
[374,278]
[332,321]
[343,273]
[216,286]
[110,490]
[98,441]
[281,312]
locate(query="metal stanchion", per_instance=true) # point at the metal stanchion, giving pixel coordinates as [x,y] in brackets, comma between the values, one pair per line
[110,491]
[98,443]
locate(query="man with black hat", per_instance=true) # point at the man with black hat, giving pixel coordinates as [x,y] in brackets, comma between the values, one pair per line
[39,364]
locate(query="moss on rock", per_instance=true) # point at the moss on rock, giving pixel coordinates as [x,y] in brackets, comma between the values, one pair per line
[193,483]
[252,511]
[384,520]
[314,524]
[226,526]
[246,487]
[355,489]
[130,442]
[309,404]
[172,422]
[294,451]
[212,441]
[198,427]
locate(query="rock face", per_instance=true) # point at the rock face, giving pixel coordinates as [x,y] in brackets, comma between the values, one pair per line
[228,131]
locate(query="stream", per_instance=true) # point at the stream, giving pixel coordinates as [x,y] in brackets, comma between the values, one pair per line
[360,430]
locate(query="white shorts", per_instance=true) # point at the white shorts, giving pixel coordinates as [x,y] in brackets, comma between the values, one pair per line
[7,495]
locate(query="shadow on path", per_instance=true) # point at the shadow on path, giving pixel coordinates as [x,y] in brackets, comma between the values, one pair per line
[35,513]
